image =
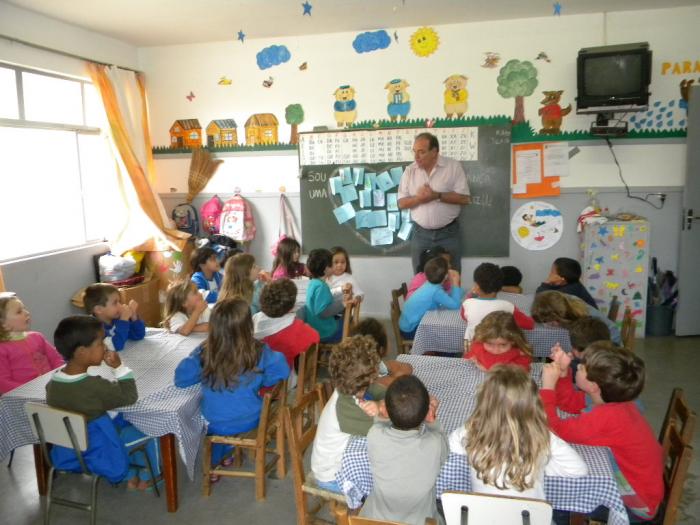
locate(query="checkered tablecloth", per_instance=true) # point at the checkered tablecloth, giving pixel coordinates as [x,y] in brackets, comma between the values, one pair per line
[454,383]
[443,331]
[161,408]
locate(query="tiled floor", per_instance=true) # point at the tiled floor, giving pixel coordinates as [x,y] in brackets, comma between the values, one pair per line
[670,362]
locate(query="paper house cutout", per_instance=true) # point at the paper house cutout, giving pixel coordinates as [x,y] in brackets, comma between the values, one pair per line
[186,133]
[261,128]
[222,133]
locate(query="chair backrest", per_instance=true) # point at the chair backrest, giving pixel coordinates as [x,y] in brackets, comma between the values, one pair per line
[475,509]
[613,308]
[274,402]
[676,463]
[301,422]
[398,295]
[629,327]
[308,370]
[679,414]
[359,520]
[351,317]
[54,426]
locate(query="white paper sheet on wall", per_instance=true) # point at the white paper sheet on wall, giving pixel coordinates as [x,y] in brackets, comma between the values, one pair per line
[528,167]
[556,159]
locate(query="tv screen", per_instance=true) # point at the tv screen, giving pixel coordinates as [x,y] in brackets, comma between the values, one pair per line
[613,78]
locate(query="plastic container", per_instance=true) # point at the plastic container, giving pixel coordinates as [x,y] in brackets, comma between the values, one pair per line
[659,320]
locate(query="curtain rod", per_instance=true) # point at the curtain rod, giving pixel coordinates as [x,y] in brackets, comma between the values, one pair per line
[64,53]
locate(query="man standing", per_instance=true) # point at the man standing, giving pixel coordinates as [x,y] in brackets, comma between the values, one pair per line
[434,188]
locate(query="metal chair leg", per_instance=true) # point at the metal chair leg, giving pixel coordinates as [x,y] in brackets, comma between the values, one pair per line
[93,500]
[49,496]
[154,481]
[12,456]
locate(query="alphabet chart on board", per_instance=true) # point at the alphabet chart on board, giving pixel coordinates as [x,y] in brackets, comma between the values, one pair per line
[383,145]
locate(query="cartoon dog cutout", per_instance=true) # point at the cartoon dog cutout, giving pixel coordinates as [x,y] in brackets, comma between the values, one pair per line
[456,95]
[551,112]
[398,98]
[345,106]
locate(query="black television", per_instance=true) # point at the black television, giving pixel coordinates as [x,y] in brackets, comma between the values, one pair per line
[613,79]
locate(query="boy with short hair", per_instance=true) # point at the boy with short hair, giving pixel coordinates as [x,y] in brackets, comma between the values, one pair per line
[583,333]
[389,370]
[405,455]
[205,273]
[353,367]
[80,340]
[564,277]
[488,280]
[613,378]
[120,321]
[277,325]
[512,277]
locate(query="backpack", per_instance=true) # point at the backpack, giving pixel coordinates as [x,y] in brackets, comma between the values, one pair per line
[210,212]
[186,218]
[237,220]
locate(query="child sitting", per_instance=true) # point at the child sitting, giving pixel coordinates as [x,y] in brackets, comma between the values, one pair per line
[320,309]
[511,280]
[81,340]
[613,378]
[498,340]
[287,263]
[564,277]
[205,273]
[232,368]
[243,279]
[185,309]
[558,309]
[583,333]
[24,355]
[389,370]
[405,455]
[341,275]
[488,280]
[120,321]
[430,296]
[277,326]
[507,441]
[419,279]
[353,367]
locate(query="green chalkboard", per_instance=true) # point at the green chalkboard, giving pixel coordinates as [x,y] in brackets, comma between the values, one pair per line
[484,224]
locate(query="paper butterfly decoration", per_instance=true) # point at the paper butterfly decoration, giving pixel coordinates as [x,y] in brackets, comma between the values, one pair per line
[618,231]
[268,83]
[190,97]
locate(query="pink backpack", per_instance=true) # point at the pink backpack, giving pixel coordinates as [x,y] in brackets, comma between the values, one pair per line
[210,214]
[237,220]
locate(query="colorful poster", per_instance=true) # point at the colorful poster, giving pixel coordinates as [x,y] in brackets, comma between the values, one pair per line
[537,225]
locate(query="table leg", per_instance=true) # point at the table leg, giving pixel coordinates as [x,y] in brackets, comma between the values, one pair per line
[169,455]
[42,470]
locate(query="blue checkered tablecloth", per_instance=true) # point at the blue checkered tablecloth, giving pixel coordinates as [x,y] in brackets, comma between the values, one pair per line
[455,382]
[161,408]
[443,331]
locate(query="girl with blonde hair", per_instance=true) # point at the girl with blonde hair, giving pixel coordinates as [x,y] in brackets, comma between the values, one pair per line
[185,310]
[499,340]
[243,279]
[558,308]
[507,440]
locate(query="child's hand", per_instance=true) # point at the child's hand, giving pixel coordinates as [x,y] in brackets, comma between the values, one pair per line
[371,408]
[432,410]
[561,358]
[454,278]
[134,306]
[112,359]
[264,276]
[550,376]
[125,312]
[200,307]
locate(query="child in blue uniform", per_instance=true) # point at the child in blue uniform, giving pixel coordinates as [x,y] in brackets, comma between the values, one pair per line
[120,321]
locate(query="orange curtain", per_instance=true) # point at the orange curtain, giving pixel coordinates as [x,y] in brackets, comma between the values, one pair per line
[140,176]
[2,282]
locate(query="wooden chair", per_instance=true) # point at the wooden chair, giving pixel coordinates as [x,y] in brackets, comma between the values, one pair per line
[474,509]
[308,370]
[680,415]
[677,458]
[351,318]
[629,326]
[613,308]
[403,346]
[357,520]
[257,443]
[301,423]
[326,389]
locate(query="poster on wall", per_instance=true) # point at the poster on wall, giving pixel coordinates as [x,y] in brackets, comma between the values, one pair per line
[536,225]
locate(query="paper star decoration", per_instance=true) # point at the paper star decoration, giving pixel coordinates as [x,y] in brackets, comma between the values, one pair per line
[241,35]
[307,8]
[557,9]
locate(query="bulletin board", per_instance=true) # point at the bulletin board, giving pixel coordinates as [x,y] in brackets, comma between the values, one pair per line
[536,169]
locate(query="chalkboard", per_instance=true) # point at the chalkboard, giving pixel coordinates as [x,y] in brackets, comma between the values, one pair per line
[484,224]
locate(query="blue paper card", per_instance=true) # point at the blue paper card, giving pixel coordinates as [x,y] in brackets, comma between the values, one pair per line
[348,194]
[362,219]
[394,220]
[405,216]
[384,181]
[376,218]
[365,198]
[336,185]
[358,175]
[382,236]
[378,198]
[344,213]
[346,174]
[392,201]
[405,231]
[370,181]
[396,174]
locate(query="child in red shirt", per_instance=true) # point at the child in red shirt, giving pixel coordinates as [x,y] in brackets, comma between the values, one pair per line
[499,341]
[613,378]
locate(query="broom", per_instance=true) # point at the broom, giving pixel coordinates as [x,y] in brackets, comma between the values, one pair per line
[202,169]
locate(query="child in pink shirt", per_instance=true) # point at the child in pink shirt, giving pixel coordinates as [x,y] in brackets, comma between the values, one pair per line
[287,263]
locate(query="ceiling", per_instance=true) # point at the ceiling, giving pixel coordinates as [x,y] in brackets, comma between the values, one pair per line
[167,22]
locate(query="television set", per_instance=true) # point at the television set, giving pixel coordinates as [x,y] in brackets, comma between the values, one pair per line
[613,79]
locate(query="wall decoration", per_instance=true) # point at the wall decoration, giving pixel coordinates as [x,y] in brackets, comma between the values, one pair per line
[371,41]
[552,113]
[303,66]
[261,128]
[667,115]
[241,36]
[225,81]
[186,133]
[491,60]
[543,56]
[455,95]
[273,56]
[424,42]
[396,37]
[537,225]
[294,115]
[517,80]
[398,98]
[190,97]
[345,107]
[536,168]
[557,9]
[221,133]
[268,83]
[307,8]
[681,67]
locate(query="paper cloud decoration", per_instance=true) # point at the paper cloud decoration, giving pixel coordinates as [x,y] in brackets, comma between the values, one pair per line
[273,56]
[371,41]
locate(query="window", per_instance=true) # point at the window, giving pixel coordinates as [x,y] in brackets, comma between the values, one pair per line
[58,174]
